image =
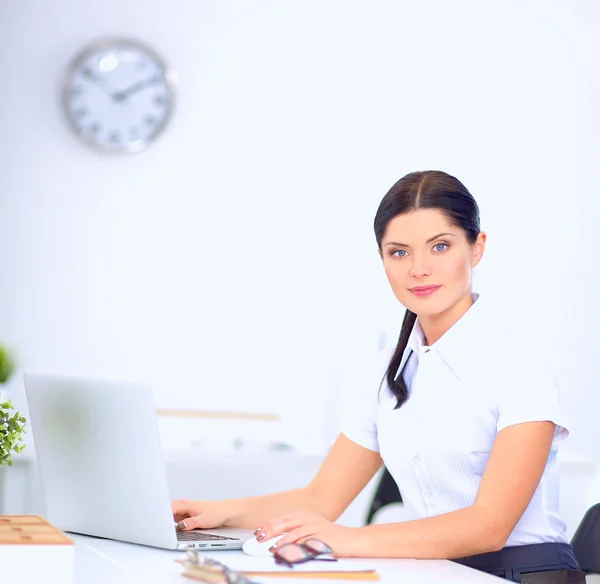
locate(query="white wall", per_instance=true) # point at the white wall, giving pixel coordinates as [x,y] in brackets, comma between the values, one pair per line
[233,265]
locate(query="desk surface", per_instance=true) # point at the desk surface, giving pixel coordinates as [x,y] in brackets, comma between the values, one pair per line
[98,561]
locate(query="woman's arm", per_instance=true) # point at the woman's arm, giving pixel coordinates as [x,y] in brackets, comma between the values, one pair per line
[344,473]
[510,479]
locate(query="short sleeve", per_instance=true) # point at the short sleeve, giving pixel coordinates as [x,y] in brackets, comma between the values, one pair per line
[530,393]
[360,409]
[360,425]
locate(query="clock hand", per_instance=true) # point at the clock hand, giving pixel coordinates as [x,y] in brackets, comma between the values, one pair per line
[123,95]
[108,88]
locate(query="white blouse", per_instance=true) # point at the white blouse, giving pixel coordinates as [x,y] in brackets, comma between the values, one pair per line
[465,388]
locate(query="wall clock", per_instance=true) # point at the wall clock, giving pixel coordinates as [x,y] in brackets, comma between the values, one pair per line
[118,96]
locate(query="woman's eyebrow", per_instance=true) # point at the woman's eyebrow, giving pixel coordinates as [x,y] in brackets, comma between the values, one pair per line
[428,241]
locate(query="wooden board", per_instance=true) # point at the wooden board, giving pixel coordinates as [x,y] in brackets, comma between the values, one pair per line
[212,574]
[30,530]
[360,576]
[257,416]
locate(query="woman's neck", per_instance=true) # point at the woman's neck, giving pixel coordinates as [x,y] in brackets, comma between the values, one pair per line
[435,326]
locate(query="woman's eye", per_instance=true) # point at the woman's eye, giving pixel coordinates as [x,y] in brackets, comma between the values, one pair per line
[400,253]
[440,247]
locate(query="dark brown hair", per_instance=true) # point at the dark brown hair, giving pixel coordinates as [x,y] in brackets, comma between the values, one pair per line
[429,189]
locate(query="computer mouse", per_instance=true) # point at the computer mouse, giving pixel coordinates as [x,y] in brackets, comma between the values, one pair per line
[253,547]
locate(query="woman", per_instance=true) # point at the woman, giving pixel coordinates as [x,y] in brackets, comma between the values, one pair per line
[466,418]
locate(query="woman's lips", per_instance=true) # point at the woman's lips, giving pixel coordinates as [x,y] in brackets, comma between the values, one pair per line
[424,290]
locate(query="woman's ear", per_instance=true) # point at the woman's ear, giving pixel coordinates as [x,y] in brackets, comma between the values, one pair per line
[379,252]
[478,248]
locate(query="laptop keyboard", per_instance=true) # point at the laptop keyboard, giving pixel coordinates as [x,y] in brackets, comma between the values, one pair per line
[201,536]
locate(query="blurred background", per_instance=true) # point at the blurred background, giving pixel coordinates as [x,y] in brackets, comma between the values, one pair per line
[232,264]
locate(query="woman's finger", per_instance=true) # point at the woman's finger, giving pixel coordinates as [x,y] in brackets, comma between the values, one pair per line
[294,536]
[279,525]
[202,521]
[182,509]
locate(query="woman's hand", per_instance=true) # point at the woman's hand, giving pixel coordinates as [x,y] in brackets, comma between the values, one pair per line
[198,514]
[300,525]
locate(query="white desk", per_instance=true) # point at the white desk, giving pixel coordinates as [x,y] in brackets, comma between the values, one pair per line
[100,561]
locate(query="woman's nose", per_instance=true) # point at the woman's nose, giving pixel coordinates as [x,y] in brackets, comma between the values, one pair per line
[419,269]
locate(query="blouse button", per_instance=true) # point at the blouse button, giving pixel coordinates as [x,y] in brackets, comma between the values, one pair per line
[416,459]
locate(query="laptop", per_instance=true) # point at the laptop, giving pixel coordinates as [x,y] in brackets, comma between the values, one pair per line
[101,463]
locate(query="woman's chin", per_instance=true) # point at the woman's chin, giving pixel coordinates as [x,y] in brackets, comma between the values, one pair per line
[426,306]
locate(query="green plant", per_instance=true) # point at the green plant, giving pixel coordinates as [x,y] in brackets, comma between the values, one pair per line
[12,425]
[6,365]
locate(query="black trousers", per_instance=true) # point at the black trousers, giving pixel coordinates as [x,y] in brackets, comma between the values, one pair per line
[552,563]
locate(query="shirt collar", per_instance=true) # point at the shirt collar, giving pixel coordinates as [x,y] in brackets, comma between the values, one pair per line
[455,347]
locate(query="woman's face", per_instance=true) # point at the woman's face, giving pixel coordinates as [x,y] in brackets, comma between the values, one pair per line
[428,261]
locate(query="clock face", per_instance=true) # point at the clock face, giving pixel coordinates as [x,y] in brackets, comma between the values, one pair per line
[118,96]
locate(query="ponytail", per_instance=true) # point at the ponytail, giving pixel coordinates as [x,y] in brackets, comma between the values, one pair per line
[397,384]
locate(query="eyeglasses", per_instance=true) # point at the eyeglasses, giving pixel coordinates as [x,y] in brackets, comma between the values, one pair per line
[298,553]
[207,569]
